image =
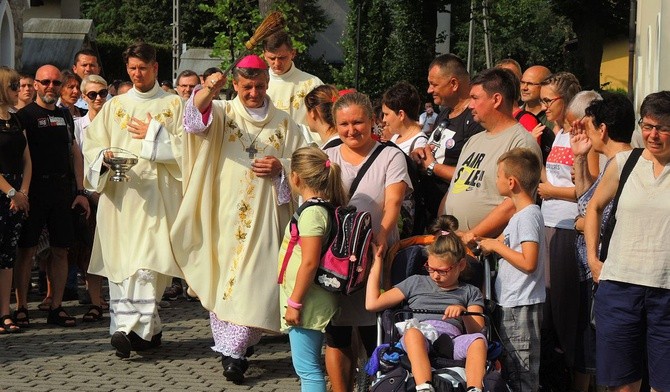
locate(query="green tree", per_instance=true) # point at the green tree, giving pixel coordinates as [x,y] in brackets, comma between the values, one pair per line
[593,21]
[525,30]
[151,20]
[303,20]
[395,44]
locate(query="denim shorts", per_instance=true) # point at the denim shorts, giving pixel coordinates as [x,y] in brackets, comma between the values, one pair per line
[632,319]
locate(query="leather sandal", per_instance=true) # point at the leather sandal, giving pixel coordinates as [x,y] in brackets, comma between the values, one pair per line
[94,314]
[7,325]
[59,316]
[21,317]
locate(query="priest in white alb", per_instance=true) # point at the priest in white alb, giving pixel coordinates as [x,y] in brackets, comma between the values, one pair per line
[288,84]
[236,206]
[132,240]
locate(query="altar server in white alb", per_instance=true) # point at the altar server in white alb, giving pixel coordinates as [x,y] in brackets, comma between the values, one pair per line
[132,242]
[288,84]
[236,206]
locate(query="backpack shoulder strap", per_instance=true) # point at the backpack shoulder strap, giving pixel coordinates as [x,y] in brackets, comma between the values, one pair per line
[295,234]
[364,169]
[625,173]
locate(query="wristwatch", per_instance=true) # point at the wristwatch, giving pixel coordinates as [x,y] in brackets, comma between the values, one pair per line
[82,192]
[430,168]
[11,193]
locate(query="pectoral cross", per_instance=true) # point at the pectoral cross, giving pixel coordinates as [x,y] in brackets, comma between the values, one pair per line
[252,151]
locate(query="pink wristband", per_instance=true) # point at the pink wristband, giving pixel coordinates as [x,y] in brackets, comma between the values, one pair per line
[293,304]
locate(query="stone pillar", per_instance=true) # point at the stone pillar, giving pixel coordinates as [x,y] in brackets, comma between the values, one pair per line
[18,6]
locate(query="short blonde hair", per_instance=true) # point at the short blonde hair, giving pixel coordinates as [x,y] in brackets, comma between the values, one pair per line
[524,165]
[94,79]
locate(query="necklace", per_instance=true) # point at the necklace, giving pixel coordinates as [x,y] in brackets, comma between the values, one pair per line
[6,124]
[251,150]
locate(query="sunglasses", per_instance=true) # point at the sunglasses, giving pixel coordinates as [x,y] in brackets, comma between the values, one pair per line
[47,82]
[14,86]
[92,95]
[437,132]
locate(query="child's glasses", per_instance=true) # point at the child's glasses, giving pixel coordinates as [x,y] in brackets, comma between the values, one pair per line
[441,272]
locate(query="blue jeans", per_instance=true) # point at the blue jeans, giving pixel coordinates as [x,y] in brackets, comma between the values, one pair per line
[306,354]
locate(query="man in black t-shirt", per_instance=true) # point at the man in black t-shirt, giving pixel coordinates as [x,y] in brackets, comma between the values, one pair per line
[56,163]
[449,83]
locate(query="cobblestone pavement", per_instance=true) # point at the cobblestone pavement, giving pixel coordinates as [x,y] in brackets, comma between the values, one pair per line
[50,358]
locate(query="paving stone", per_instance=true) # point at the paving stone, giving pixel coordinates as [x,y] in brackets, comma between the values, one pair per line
[48,358]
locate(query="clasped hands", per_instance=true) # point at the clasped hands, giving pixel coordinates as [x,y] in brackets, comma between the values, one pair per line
[423,156]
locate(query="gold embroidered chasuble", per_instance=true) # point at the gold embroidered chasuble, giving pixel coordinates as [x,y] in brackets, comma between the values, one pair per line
[230,226]
[134,217]
[287,92]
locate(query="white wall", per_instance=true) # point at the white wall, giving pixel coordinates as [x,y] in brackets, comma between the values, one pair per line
[652,48]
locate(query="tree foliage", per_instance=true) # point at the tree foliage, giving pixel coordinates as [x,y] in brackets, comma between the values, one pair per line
[303,20]
[592,22]
[525,30]
[393,45]
[151,20]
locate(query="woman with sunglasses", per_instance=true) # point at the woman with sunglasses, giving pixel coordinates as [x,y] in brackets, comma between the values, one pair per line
[15,172]
[94,90]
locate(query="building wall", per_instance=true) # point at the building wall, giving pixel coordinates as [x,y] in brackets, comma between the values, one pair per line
[614,66]
[652,48]
[328,41]
[65,9]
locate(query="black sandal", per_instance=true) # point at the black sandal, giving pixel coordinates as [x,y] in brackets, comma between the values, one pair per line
[8,327]
[94,314]
[55,318]
[24,320]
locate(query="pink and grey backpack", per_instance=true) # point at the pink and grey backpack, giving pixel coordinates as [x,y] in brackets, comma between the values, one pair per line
[347,256]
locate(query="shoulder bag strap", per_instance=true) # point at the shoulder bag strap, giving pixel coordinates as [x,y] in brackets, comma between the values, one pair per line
[332,143]
[364,169]
[611,220]
[411,147]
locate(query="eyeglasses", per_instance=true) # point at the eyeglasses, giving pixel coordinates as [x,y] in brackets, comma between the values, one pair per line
[47,82]
[441,272]
[187,85]
[662,129]
[14,86]
[524,83]
[548,101]
[92,95]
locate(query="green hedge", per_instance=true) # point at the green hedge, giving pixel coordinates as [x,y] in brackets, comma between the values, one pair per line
[111,58]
